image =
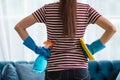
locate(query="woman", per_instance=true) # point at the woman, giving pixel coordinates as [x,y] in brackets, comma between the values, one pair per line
[66,22]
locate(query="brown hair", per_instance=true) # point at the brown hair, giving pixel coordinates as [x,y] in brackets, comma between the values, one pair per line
[68,15]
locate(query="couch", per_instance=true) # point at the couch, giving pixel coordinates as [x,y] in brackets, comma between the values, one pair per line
[22,70]
[104,70]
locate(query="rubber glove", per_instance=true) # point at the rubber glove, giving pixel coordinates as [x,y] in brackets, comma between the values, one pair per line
[44,53]
[28,42]
[41,62]
[95,47]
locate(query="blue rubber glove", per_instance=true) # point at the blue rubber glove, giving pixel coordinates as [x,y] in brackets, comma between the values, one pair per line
[40,63]
[95,47]
[28,42]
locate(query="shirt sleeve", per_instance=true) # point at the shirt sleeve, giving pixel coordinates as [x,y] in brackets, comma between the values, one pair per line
[93,15]
[40,15]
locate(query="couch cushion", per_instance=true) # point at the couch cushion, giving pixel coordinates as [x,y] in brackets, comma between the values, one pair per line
[9,72]
[25,72]
[104,70]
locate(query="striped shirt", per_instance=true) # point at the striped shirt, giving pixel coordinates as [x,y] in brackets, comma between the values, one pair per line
[66,52]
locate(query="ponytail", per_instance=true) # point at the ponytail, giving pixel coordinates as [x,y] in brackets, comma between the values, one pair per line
[68,15]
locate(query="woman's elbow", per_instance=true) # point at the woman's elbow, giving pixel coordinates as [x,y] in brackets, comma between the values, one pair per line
[18,28]
[113,30]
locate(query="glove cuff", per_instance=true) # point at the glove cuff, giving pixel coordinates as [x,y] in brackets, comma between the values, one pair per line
[97,46]
[28,42]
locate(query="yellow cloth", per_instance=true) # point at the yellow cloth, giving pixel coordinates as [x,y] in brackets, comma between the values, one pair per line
[90,56]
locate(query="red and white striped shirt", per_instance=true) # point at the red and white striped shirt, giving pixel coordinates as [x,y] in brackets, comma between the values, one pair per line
[66,52]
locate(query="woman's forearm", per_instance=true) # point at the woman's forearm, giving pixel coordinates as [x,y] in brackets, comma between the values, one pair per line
[22,32]
[107,36]
[108,27]
[23,24]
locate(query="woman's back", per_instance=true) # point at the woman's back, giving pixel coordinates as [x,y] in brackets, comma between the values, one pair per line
[66,52]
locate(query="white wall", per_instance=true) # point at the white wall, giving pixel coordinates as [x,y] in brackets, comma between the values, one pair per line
[12,11]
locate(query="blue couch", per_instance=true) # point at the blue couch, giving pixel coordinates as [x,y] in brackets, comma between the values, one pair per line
[99,70]
[104,70]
